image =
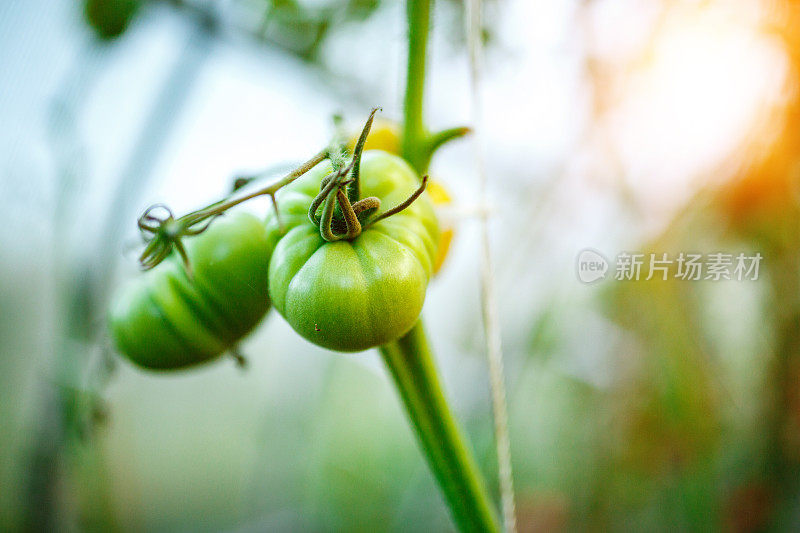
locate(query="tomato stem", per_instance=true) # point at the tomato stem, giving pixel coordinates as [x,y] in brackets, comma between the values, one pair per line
[409,359]
[418,13]
[168,231]
[410,362]
[417,144]
[222,206]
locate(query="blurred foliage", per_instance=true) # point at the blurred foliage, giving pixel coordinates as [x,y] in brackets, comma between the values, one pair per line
[302,28]
[689,447]
[110,18]
[298,27]
[699,427]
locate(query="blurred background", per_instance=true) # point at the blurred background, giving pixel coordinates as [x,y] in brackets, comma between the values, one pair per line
[645,126]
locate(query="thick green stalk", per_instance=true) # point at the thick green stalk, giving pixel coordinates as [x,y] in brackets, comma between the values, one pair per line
[410,362]
[418,144]
[409,359]
[414,149]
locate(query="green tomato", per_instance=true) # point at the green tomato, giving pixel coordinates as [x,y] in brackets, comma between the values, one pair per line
[353,295]
[164,320]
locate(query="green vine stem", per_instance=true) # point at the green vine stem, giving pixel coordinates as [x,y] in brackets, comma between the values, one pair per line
[414,134]
[271,189]
[410,361]
[164,234]
[418,144]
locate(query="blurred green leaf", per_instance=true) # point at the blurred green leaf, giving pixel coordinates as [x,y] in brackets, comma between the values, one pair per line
[110,18]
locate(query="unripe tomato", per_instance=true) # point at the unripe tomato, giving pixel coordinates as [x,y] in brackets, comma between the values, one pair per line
[385,135]
[164,320]
[353,295]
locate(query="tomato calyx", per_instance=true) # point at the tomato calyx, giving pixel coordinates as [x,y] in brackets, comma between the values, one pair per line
[163,233]
[344,213]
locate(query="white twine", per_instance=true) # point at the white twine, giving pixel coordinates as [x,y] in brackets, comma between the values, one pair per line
[494,350]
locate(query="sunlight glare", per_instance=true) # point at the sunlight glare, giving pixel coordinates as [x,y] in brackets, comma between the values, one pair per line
[704,90]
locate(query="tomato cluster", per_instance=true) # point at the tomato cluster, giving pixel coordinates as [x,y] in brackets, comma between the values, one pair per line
[346,293]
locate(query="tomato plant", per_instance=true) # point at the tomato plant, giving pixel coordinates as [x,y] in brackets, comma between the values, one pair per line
[348,290]
[345,257]
[166,319]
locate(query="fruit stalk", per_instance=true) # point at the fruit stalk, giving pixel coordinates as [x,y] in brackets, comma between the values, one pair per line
[414,134]
[410,362]
[409,359]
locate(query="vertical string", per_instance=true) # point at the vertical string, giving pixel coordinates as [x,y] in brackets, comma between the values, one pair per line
[491,326]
